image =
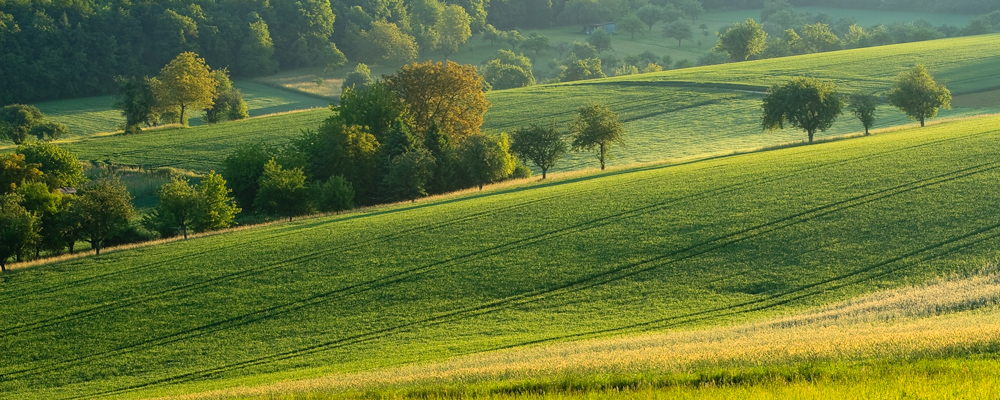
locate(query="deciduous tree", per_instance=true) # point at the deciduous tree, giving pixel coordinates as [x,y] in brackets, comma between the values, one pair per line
[282,191]
[742,40]
[918,95]
[59,167]
[542,145]
[680,30]
[17,121]
[15,171]
[18,228]
[186,82]
[863,107]
[535,43]
[486,158]
[631,24]
[136,101]
[600,39]
[448,94]
[596,127]
[215,207]
[453,28]
[806,103]
[175,210]
[103,209]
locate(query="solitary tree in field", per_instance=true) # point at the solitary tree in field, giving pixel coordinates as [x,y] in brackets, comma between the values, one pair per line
[917,95]
[186,82]
[805,103]
[18,228]
[863,107]
[596,127]
[680,30]
[102,210]
[542,145]
[631,24]
[743,40]
[650,14]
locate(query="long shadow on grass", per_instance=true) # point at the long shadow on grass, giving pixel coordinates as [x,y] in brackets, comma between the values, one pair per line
[600,278]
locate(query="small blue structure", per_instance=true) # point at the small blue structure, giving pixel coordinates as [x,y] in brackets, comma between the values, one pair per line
[609,27]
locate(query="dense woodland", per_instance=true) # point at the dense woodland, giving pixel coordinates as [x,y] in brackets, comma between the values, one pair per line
[76,48]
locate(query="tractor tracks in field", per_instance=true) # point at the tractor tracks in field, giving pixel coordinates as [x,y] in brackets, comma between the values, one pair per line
[619,273]
[408,274]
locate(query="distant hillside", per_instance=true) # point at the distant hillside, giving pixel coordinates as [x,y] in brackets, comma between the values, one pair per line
[669,115]
[647,248]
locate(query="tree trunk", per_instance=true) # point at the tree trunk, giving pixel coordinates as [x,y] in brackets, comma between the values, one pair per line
[97,248]
[602,156]
[183,123]
[866,131]
[71,245]
[185,230]
[543,172]
[3,265]
[480,186]
[810,136]
[921,122]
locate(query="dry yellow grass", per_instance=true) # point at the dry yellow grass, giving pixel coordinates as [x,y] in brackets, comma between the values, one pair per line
[950,316]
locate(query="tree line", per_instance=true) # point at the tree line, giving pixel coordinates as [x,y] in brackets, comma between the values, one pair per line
[813,105]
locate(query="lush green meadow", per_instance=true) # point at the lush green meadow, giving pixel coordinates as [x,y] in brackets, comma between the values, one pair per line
[92,115]
[643,249]
[934,341]
[716,109]
[199,148]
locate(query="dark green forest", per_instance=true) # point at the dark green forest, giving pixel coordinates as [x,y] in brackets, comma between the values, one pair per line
[72,48]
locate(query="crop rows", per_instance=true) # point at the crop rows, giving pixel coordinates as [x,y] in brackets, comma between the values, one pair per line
[625,251]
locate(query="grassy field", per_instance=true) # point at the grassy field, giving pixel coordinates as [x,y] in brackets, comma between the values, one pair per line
[199,148]
[92,115]
[716,109]
[935,340]
[654,248]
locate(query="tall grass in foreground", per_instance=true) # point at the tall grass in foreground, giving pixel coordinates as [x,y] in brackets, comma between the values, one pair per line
[932,341]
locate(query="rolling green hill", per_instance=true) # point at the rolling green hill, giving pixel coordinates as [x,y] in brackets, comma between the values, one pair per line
[647,248]
[716,109]
[199,148]
[92,115]
[668,116]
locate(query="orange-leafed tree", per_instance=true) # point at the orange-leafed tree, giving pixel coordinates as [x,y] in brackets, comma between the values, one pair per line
[448,94]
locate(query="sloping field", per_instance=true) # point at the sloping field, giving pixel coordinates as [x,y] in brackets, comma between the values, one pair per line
[644,249]
[933,340]
[716,109]
[964,64]
[199,148]
[91,115]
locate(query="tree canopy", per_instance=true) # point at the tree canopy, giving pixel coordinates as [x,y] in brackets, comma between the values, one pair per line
[447,94]
[918,95]
[542,145]
[806,103]
[742,40]
[185,82]
[597,127]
